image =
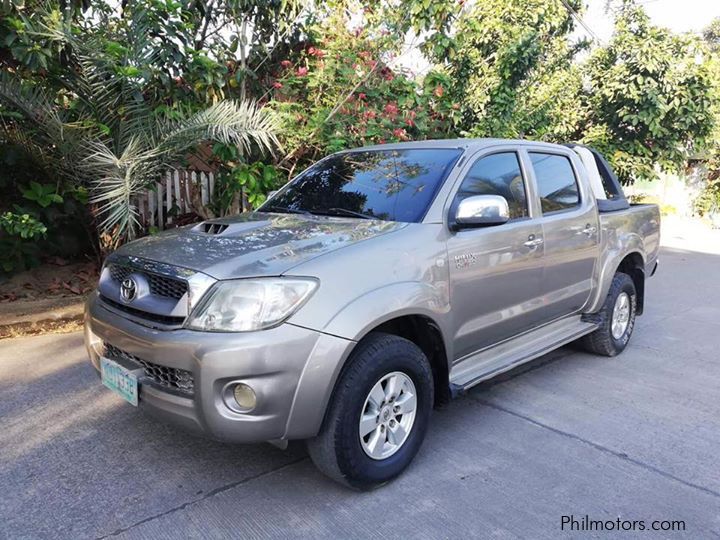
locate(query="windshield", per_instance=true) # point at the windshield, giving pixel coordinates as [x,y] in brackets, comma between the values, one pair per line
[392,185]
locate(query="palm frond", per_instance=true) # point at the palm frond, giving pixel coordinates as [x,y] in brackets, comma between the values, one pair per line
[116,102]
[117,181]
[32,103]
[242,124]
[44,134]
[15,133]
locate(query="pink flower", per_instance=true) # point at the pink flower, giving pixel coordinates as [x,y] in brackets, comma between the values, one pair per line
[439,90]
[387,74]
[277,84]
[400,133]
[391,109]
[286,63]
[361,95]
[302,71]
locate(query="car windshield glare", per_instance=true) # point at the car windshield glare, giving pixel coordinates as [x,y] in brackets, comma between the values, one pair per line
[391,185]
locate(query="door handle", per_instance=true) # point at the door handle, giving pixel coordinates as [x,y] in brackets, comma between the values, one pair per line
[532,241]
[589,230]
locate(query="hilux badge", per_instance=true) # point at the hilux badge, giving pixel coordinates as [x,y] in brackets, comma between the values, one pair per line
[128,290]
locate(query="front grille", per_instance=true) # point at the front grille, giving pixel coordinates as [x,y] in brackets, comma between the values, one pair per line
[159,285]
[165,286]
[179,380]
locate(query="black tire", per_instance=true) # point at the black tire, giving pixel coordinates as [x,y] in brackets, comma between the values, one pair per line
[602,341]
[337,449]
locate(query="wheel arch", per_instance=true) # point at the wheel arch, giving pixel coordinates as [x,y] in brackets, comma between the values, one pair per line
[424,332]
[626,256]
[634,266]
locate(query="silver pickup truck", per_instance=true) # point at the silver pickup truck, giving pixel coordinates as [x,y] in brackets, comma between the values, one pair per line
[377,284]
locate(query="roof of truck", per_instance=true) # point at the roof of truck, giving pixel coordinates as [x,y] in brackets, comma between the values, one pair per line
[467,144]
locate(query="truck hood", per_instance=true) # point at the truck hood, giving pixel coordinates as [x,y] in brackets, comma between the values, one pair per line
[254,244]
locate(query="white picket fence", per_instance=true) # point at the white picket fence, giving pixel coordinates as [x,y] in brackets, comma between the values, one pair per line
[171,197]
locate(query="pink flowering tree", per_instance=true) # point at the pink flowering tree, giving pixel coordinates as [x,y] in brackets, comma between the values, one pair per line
[344,88]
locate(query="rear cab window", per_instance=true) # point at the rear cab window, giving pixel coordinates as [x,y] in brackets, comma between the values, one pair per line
[556,182]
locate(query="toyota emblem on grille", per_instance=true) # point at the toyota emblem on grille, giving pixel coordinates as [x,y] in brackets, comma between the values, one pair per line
[128,290]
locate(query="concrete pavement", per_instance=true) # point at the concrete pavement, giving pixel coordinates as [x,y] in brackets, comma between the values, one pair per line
[635,437]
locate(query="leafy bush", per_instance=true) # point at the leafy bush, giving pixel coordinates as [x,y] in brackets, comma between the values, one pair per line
[708,202]
[236,181]
[44,195]
[18,236]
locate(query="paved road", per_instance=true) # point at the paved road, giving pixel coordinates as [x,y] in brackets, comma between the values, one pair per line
[636,437]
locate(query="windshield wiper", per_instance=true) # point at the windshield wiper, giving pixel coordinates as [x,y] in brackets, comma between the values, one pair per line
[346,212]
[285,210]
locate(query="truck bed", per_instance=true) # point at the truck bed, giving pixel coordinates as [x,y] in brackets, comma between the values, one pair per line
[619,227]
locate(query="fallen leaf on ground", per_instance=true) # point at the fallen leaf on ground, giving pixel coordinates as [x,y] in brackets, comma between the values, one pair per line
[58,261]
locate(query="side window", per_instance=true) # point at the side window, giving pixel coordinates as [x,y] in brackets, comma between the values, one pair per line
[498,174]
[556,182]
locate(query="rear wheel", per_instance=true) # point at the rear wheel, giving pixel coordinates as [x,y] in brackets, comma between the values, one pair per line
[378,415]
[616,319]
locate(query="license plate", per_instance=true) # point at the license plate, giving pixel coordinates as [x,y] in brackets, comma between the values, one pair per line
[119,380]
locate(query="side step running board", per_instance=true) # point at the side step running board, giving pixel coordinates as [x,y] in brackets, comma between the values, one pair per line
[509,354]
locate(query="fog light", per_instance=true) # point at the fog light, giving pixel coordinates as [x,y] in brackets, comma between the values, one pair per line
[244,396]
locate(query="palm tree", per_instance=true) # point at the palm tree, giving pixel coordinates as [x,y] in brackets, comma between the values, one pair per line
[112,141]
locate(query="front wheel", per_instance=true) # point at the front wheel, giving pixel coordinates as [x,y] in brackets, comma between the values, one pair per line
[378,415]
[616,318]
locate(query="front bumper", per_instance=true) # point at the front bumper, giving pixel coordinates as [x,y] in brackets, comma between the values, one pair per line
[291,369]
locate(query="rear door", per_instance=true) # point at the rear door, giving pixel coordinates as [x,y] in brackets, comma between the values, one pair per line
[570,228]
[495,272]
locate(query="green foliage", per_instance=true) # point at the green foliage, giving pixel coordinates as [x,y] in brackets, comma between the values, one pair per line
[649,98]
[44,195]
[249,180]
[256,180]
[711,34]
[104,117]
[22,225]
[708,202]
[510,67]
[18,233]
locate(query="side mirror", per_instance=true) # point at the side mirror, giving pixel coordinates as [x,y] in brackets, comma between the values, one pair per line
[481,211]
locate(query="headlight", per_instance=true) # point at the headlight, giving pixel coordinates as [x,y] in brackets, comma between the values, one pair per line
[242,305]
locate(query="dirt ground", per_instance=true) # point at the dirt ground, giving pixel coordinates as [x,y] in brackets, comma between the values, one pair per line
[46,299]
[56,278]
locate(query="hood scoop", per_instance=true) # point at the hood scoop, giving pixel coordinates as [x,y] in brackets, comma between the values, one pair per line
[209,227]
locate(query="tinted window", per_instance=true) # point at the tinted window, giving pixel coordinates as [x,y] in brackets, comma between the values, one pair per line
[394,185]
[557,186]
[498,174]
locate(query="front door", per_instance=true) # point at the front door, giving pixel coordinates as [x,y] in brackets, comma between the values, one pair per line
[495,272]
